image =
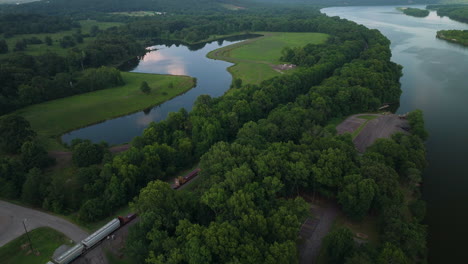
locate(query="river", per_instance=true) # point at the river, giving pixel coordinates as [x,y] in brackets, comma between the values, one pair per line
[176,59]
[434,80]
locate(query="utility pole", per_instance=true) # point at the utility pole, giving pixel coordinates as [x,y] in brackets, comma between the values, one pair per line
[27,234]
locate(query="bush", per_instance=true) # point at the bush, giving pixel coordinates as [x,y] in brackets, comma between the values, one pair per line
[87,153]
[144,87]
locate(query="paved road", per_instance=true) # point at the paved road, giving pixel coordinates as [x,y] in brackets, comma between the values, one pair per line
[11,223]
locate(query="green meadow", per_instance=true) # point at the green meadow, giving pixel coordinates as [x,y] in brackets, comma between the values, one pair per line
[45,241]
[254,58]
[54,118]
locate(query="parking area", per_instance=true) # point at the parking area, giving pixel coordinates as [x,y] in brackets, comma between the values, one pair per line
[382,126]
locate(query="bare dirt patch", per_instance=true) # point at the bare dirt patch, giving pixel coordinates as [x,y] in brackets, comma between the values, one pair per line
[383,126]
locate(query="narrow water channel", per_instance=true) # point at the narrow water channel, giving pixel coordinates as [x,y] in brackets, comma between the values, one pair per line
[434,80]
[212,79]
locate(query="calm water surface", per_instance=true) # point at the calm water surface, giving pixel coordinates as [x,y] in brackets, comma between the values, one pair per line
[212,79]
[434,80]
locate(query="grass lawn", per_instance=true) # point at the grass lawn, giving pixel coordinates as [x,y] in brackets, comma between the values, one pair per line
[38,49]
[254,58]
[44,239]
[52,119]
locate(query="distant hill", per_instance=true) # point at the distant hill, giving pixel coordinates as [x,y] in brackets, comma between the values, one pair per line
[77,6]
[352,2]
[16,1]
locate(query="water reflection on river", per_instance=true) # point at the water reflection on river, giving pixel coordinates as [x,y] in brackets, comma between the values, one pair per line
[435,81]
[176,59]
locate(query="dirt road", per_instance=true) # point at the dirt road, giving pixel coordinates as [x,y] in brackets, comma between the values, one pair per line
[314,230]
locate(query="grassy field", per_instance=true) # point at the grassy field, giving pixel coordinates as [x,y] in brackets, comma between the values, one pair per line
[52,119]
[44,239]
[38,49]
[254,58]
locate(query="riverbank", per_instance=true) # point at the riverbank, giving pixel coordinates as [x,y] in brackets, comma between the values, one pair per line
[52,119]
[459,37]
[415,12]
[255,59]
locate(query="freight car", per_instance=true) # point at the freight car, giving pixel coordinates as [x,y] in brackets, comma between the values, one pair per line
[92,240]
[182,180]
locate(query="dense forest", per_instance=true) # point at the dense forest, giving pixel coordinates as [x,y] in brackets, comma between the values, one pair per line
[349,2]
[455,12]
[87,7]
[416,12]
[13,24]
[259,147]
[455,36]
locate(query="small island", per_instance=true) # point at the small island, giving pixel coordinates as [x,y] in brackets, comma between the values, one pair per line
[416,12]
[455,36]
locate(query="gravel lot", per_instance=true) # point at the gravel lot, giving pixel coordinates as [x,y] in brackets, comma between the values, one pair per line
[382,127]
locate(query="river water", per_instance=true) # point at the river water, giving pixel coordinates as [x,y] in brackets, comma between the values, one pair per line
[434,80]
[176,59]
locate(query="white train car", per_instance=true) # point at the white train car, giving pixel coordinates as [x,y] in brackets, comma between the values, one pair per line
[101,233]
[69,255]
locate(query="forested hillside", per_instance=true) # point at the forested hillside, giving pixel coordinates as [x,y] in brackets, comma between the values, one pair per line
[349,2]
[54,7]
[259,146]
[455,12]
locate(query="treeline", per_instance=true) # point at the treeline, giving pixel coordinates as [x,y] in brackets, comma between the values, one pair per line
[15,24]
[455,12]
[416,12]
[455,36]
[21,172]
[28,79]
[88,7]
[345,3]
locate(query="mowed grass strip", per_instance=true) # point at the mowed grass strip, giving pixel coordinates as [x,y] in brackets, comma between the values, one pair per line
[54,118]
[254,58]
[44,239]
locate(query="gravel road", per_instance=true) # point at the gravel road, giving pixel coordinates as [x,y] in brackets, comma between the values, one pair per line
[315,230]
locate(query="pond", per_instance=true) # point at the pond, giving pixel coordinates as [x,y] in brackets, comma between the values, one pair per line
[167,58]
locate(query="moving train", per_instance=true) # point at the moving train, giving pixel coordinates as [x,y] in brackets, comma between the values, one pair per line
[92,240]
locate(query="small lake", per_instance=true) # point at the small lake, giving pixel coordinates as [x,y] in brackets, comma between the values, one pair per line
[434,80]
[175,59]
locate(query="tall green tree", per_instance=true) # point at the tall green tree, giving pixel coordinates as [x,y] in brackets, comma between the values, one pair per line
[3,46]
[14,131]
[144,87]
[357,195]
[33,191]
[339,245]
[34,155]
